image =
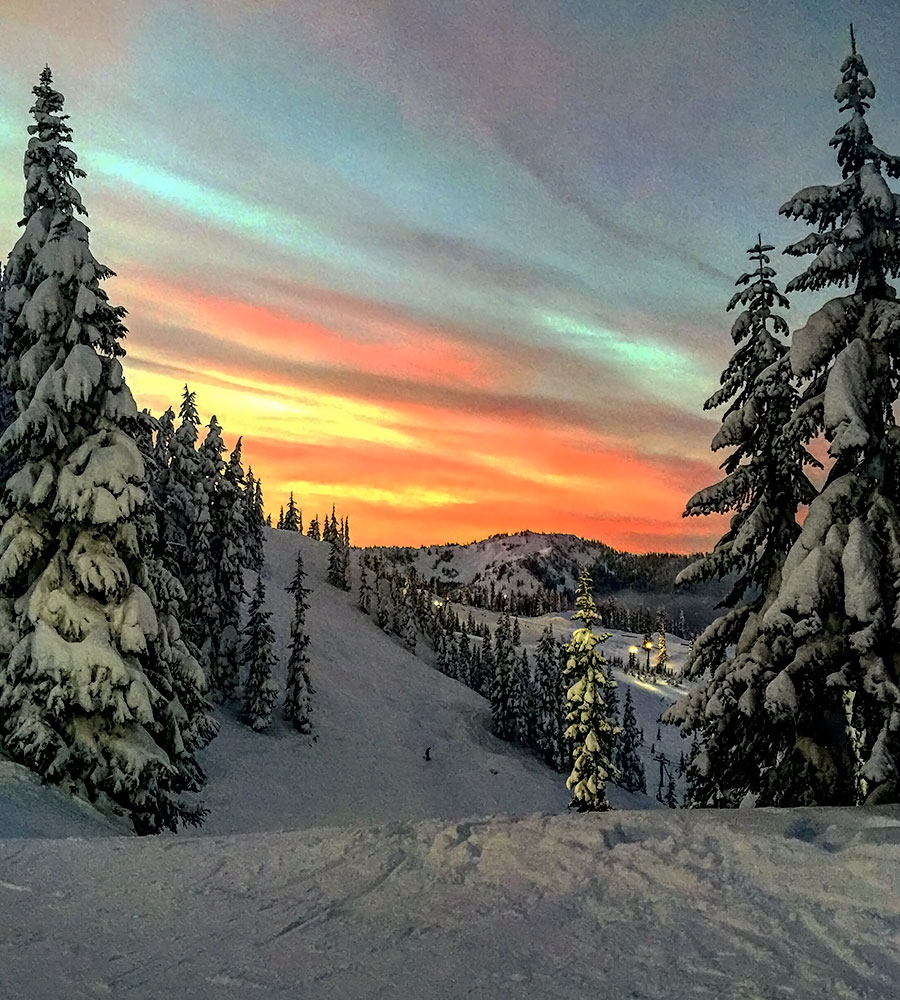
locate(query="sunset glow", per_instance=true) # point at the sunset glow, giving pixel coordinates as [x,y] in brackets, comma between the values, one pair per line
[457,270]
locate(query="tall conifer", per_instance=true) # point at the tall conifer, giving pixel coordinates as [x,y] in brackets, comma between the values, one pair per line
[299,690]
[590,733]
[90,662]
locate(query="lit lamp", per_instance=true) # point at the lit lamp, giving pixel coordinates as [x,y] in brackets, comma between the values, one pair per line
[648,645]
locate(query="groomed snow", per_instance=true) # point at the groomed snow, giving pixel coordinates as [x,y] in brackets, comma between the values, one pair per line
[753,904]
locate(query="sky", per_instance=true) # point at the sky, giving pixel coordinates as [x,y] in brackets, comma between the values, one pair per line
[457,268]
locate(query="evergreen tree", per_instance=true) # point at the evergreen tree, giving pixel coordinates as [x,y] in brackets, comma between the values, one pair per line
[671,798]
[336,562]
[506,695]
[230,530]
[8,409]
[591,735]
[464,658]
[260,690]
[91,667]
[365,590]
[330,528]
[382,604]
[345,554]
[662,656]
[314,532]
[632,776]
[291,519]
[548,683]
[200,583]
[807,714]
[409,634]
[280,525]
[525,723]
[298,690]
[254,517]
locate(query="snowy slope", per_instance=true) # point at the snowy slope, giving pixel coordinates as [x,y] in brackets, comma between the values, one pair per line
[354,869]
[755,904]
[376,708]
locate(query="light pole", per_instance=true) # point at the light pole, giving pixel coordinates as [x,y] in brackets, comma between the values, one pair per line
[648,645]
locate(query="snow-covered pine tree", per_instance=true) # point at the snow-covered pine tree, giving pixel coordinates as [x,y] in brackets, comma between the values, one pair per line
[382,600]
[88,647]
[185,505]
[314,531]
[547,684]
[200,583]
[670,798]
[464,658]
[280,523]
[483,675]
[365,590]
[345,554]
[171,668]
[260,690]
[506,696]
[590,733]
[298,689]
[256,524]
[8,410]
[229,533]
[526,723]
[330,528]
[764,485]
[661,664]
[335,562]
[290,520]
[831,688]
[409,632]
[632,776]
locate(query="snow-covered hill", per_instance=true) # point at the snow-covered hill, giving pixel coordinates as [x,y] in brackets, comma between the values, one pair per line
[353,868]
[529,563]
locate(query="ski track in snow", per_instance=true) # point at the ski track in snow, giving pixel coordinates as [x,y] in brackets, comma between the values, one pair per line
[352,868]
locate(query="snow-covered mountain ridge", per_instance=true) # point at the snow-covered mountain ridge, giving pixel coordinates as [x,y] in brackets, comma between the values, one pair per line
[527,560]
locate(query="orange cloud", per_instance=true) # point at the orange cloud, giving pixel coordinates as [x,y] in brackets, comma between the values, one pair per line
[374,343]
[434,467]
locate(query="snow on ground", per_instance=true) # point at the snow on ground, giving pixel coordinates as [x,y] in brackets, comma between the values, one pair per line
[753,904]
[352,868]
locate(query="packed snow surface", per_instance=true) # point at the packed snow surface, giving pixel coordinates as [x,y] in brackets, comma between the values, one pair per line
[660,904]
[351,867]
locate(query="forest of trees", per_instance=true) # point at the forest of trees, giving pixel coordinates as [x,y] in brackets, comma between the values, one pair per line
[796,698]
